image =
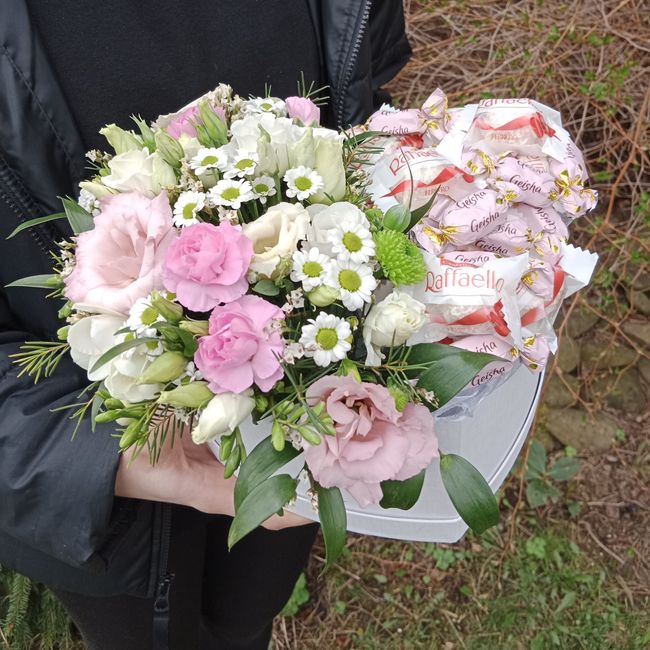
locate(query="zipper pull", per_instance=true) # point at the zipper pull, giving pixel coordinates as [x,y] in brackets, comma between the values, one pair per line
[161,601]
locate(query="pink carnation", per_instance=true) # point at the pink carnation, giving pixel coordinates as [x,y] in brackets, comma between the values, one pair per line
[242,347]
[183,123]
[374,442]
[303,109]
[121,259]
[207,265]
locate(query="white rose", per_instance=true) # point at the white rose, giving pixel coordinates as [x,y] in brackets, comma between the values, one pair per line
[391,322]
[325,218]
[90,338]
[329,164]
[223,414]
[123,372]
[275,236]
[139,171]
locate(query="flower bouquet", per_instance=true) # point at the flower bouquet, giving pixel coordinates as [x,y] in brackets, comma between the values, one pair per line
[235,263]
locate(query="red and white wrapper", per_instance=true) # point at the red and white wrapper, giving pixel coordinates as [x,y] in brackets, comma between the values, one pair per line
[463,298]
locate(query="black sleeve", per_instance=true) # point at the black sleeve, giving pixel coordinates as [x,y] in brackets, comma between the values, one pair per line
[56,494]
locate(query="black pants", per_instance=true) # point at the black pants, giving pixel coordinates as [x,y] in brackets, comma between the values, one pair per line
[220,600]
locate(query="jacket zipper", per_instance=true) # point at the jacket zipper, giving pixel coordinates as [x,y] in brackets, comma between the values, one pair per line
[164,586]
[346,77]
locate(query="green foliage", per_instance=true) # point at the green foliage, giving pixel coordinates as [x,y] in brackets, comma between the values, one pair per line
[299,597]
[31,618]
[541,476]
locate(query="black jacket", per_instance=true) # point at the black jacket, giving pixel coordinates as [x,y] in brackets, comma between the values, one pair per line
[59,520]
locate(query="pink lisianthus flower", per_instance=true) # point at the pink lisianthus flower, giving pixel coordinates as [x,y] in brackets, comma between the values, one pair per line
[207,265]
[374,441]
[183,123]
[243,346]
[120,260]
[304,110]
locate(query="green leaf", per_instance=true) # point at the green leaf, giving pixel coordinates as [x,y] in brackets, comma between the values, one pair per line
[98,400]
[177,338]
[116,350]
[356,140]
[448,369]
[536,460]
[333,520]
[536,493]
[80,220]
[266,288]
[402,494]
[568,600]
[469,492]
[261,463]
[420,212]
[35,281]
[564,469]
[35,222]
[397,218]
[262,502]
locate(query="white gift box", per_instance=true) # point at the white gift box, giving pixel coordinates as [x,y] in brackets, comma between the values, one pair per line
[490,439]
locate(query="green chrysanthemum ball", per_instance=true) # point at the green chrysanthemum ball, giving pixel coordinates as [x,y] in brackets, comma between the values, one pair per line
[400,259]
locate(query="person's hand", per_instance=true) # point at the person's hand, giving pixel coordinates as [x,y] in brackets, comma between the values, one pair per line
[187,474]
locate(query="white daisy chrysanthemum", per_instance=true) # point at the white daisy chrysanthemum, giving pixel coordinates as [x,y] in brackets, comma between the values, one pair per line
[208,159]
[325,338]
[302,182]
[352,241]
[142,316]
[311,268]
[243,164]
[356,283]
[231,193]
[187,207]
[263,186]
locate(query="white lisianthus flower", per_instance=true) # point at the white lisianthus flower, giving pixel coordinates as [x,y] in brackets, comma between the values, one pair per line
[356,283]
[302,182]
[391,322]
[263,187]
[223,414]
[243,164]
[139,171]
[191,146]
[209,158]
[275,236]
[326,218]
[231,193]
[273,105]
[311,268]
[352,241]
[90,337]
[97,189]
[328,152]
[187,207]
[325,338]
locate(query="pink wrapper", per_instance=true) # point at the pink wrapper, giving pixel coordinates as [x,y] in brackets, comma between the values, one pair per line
[474,216]
[534,352]
[546,220]
[392,122]
[507,239]
[535,188]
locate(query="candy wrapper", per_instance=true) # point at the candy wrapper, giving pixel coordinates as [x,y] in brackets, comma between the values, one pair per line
[469,297]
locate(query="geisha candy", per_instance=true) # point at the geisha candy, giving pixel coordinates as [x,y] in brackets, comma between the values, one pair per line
[534,352]
[396,122]
[507,239]
[494,345]
[546,220]
[535,188]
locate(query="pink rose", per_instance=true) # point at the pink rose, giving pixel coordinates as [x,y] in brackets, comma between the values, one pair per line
[121,259]
[303,109]
[374,442]
[207,265]
[242,347]
[183,123]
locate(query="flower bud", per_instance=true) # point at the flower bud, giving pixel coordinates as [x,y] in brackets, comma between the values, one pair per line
[169,148]
[172,312]
[131,434]
[323,296]
[165,368]
[112,403]
[196,327]
[309,435]
[214,125]
[163,173]
[226,446]
[98,190]
[347,367]
[146,133]
[261,403]
[193,395]
[224,413]
[121,140]
[62,333]
[277,436]
[107,416]
[303,109]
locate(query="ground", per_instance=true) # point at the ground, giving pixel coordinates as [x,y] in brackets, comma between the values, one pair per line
[569,565]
